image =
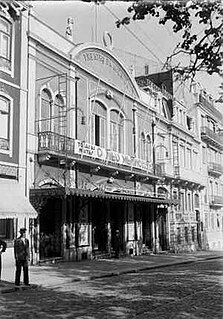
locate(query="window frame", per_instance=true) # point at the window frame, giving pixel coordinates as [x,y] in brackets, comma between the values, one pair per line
[50,110]
[10,124]
[119,125]
[10,60]
[98,122]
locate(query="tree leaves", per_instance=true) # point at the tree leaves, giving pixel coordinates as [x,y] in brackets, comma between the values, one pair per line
[204,48]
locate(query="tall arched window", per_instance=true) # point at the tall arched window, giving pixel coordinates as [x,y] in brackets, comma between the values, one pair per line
[5,43]
[46,111]
[59,115]
[116,131]
[99,124]
[4,122]
[145,147]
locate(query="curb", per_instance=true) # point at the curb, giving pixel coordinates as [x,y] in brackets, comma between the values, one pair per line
[135,270]
[112,274]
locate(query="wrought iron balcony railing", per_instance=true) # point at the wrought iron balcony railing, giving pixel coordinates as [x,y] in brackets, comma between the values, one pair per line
[211,137]
[215,200]
[56,143]
[215,169]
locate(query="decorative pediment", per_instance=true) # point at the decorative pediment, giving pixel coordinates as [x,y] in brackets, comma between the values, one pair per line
[107,67]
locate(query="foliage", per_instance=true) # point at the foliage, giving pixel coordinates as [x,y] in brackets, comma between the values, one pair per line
[203,47]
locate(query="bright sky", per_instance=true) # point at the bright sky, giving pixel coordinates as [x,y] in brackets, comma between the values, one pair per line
[144,38]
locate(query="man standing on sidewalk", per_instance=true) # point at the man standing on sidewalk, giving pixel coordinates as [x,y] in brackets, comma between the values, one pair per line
[21,251]
[2,250]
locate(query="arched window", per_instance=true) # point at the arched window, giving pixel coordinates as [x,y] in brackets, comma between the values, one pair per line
[46,111]
[145,147]
[5,43]
[59,116]
[4,122]
[162,192]
[116,131]
[99,124]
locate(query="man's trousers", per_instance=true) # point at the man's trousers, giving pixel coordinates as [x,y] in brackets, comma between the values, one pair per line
[19,265]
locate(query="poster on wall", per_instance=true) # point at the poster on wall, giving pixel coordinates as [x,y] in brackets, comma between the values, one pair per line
[131,224]
[83,227]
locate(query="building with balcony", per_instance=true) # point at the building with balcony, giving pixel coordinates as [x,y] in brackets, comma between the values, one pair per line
[90,152]
[209,126]
[15,209]
[177,159]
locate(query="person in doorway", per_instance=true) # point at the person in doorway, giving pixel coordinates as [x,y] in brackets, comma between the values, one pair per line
[3,246]
[117,244]
[21,252]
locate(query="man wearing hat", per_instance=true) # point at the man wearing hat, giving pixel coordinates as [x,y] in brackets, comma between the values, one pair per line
[21,252]
[3,246]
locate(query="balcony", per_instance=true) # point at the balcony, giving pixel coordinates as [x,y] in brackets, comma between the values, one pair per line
[56,144]
[208,136]
[215,169]
[216,201]
[52,146]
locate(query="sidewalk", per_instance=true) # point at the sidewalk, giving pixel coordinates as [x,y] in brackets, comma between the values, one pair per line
[55,275]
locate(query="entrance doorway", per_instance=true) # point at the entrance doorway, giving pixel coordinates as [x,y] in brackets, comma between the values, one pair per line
[147,226]
[50,229]
[161,222]
[99,226]
[117,213]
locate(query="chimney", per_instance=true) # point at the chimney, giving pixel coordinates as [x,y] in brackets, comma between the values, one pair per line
[69,29]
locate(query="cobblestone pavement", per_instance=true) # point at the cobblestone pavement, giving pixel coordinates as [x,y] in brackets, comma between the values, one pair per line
[180,291]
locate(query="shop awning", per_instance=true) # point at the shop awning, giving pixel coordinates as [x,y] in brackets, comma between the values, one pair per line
[51,192]
[13,203]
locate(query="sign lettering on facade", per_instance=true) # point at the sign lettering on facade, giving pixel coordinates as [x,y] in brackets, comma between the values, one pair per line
[97,152]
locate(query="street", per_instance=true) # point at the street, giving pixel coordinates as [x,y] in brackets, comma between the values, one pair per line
[184,291]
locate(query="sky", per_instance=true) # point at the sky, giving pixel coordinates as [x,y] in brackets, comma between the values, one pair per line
[144,38]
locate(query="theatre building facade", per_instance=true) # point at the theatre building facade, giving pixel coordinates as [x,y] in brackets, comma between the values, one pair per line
[91,153]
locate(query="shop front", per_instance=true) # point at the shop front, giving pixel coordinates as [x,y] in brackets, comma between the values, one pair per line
[84,224]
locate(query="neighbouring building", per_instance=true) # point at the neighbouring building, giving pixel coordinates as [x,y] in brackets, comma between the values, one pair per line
[15,209]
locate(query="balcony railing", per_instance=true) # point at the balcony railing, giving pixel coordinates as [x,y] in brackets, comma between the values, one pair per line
[216,200]
[211,137]
[215,169]
[56,143]
[62,146]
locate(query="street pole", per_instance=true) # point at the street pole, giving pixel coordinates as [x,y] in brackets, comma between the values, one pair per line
[154,185]
[134,109]
[76,180]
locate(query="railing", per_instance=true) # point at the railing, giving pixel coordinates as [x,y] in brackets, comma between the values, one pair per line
[144,82]
[215,200]
[215,168]
[60,144]
[206,132]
